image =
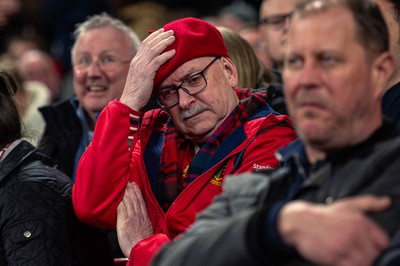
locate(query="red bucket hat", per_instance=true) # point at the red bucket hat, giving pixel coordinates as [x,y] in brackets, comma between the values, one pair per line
[194,38]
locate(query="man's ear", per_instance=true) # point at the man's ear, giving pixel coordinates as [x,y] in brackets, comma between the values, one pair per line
[382,70]
[230,71]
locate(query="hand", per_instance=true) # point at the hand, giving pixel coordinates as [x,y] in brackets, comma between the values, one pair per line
[143,67]
[133,223]
[339,234]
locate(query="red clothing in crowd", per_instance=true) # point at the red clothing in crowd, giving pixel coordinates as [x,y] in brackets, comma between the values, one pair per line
[116,156]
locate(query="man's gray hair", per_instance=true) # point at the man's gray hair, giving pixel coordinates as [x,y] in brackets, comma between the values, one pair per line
[105,20]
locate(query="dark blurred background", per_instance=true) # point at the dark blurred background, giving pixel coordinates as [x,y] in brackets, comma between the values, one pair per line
[48,24]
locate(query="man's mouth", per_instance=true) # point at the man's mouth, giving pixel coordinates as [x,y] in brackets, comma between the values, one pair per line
[190,116]
[96,88]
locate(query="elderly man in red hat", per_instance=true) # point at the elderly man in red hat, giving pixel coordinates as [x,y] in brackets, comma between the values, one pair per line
[170,162]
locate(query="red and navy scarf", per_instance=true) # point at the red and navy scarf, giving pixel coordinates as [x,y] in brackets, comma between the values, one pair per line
[181,165]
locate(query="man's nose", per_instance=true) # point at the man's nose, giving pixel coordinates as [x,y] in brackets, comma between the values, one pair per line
[185,99]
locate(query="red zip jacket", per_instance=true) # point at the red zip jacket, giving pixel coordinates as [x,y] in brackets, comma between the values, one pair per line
[109,163]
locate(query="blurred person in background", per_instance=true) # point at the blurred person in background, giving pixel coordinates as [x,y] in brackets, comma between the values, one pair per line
[236,16]
[251,72]
[253,36]
[274,22]
[37,65]
[23,39]
[30,96]
[103,49]
[101,55]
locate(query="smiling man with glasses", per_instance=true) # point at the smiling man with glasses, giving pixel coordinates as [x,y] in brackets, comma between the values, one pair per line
[168,164]
[102,51]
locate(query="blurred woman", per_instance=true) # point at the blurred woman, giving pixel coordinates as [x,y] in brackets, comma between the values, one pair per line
[251,72]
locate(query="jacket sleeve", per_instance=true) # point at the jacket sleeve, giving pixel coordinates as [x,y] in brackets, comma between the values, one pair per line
[143,251]
[106,166]
[218,237]
[36,225]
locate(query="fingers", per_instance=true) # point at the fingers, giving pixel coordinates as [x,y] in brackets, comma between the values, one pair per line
[379,238]
[154,45]
[368,244]
[158,36]
[376,239]
[133,200]
[138,197]
[121,210]
[148,59]
[141,205]
[367,203]
[157,48]
[133,223]
[130,199]
[339,234]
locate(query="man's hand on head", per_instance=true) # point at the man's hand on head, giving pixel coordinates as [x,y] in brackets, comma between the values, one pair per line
[340,234]
[150,56]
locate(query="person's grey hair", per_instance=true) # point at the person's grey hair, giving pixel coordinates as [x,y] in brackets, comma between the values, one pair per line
[105,20]
[371,29]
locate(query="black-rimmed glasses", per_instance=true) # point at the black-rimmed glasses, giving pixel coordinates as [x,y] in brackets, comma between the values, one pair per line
[193,85]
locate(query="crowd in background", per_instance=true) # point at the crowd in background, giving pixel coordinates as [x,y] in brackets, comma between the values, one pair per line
[36,39]
[60,51]
[48,24]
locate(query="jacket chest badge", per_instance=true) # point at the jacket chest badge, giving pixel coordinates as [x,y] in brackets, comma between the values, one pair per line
[185,172]
[218,177]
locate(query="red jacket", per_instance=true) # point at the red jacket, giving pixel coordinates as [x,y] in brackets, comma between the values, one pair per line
[109,163]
